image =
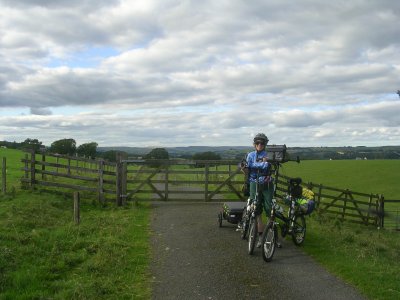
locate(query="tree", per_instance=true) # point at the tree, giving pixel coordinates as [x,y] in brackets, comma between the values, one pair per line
[32,144]
[64,146]
[206,156]
[157,153]
[87,150]
[111,155]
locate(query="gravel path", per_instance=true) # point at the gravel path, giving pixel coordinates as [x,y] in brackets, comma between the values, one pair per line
[195,259]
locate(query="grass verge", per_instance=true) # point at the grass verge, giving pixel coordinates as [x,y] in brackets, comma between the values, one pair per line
[44,255]
[365,257]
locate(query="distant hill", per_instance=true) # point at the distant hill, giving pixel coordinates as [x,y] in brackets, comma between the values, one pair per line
[226,152]
[238,152]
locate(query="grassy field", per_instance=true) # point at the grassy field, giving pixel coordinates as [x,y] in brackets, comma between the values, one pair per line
[366,176]
[44,255]
[363,256]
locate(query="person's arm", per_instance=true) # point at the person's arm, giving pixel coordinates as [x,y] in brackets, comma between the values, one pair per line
[252,164]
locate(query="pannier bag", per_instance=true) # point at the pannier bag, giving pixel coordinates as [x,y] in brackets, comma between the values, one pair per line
[306,205]
[306,202]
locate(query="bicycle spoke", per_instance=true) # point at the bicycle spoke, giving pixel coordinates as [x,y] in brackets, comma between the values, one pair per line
[299,230]
[269,242]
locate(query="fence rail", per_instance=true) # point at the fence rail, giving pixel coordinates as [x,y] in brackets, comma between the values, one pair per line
[344,204]
[59,171]
[175,180]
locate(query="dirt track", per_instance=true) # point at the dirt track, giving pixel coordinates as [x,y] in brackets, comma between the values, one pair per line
[195,259]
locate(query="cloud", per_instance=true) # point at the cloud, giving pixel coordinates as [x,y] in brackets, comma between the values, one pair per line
[40,111]
[169,71]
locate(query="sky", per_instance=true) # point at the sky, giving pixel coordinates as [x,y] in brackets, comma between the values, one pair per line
[167,73]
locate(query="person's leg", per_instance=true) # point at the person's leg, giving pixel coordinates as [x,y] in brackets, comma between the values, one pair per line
[252,190]
[258,212]
[259,209]
[268,193]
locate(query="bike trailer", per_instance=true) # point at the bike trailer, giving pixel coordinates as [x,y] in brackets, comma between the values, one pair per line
[231,212]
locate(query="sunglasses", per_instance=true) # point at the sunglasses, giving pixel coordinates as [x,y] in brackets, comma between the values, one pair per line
[259,143]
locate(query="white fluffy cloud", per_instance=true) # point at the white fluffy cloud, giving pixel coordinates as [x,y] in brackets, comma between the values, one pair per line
[176,73]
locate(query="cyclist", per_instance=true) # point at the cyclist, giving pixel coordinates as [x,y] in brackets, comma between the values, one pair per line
[257,162]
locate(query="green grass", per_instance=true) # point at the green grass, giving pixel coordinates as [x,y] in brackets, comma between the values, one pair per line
[366,176]
[45,255]
[367,258]
[14,165]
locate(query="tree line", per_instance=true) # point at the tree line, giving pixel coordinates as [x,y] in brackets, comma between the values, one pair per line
[63,146]
[68,146]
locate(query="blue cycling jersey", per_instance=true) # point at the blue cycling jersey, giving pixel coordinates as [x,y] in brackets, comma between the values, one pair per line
[255,164]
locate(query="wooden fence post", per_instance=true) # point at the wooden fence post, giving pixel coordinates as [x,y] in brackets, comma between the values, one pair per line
[124,177]
[43,166]
[101,181]
[166,191]
[33,162]
[24,184]
[4,176]
[77,213]
[346,193]
[57,162]
[206,174]
[121,179]
[118,180]
[381,211]
[319,195]
[69,166]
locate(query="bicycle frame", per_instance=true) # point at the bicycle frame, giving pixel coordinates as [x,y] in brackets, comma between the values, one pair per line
[253,216]
[253,226]
[294,224]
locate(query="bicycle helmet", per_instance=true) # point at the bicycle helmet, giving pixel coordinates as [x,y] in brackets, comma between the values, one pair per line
[260,137]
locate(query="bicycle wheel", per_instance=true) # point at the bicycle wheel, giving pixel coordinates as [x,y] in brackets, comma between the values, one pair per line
[252,235]
[245,225]
[299,229]
[220,219]
[269,242]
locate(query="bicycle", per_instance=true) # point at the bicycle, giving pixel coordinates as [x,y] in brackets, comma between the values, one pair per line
[252,225]
[276,156]
[294,223]
[252,221]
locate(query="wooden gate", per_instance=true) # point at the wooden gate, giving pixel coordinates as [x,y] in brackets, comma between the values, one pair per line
[183,180]
[175,180]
